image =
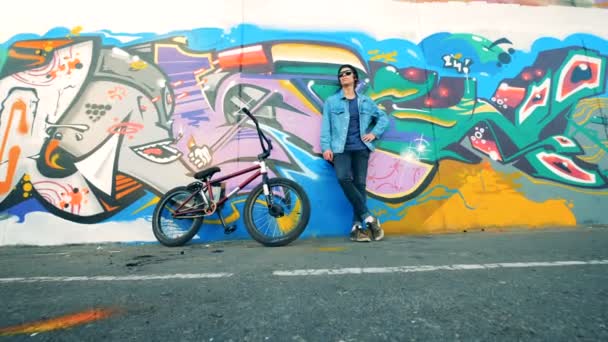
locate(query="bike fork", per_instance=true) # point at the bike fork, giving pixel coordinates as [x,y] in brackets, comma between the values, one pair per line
[265,178]
[273,209]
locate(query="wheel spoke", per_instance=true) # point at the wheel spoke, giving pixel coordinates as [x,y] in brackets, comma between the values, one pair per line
[172,231]
[292,202]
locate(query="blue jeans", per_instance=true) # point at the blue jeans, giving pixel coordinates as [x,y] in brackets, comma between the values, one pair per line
[351,170]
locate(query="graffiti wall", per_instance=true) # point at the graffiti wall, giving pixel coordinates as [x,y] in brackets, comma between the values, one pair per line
[484,131]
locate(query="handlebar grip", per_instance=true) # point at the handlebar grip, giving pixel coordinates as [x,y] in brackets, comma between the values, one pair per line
[246,111]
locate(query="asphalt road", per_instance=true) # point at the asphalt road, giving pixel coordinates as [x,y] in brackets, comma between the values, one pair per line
[549,285]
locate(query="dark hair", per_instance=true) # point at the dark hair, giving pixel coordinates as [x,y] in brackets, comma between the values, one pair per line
[352,68]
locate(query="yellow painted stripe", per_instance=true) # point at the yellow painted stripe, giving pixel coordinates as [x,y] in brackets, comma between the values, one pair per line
[423,117]
[394,93]
[179,48]
[291,88]
[234,214]
[331,249]
[315,53]
[288,222]
[147,205]
[593,158]
[568,187]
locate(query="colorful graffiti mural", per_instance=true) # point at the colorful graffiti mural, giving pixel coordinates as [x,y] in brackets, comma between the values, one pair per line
[95,129]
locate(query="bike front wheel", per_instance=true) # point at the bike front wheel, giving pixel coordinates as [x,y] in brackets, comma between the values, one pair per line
[285,221]
[172,231]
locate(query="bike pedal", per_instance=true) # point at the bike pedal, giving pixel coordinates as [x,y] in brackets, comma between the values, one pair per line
[229,229]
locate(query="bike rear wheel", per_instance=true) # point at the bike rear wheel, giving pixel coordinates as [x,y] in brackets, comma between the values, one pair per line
[290,199]
[171,231]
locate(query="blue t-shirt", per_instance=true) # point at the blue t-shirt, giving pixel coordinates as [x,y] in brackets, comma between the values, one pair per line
[353,138]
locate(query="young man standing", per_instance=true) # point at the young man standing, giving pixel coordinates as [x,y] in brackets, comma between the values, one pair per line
[351,122]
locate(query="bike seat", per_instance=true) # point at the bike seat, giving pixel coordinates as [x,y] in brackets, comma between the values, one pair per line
[206,173]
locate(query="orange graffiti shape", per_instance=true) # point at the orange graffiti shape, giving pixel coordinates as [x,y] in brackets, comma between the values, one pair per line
[50,157]
[40,44]
[117,93]
[29,50]
[38,60]
[19,109]
[74,201]
[62,322]
[67,68]
[73,65]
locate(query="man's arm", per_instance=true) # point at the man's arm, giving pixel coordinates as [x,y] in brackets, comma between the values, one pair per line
[381,123]
[325,128]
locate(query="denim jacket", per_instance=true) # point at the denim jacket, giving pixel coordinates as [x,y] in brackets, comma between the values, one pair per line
[334,127]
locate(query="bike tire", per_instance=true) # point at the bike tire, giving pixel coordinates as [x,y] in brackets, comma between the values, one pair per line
[158,222]
[295,232]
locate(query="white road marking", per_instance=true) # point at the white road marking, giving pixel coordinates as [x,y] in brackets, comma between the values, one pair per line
[311,272]
[117,278]
[47,254]
[429,268]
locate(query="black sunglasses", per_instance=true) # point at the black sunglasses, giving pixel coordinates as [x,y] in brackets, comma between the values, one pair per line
[345,73]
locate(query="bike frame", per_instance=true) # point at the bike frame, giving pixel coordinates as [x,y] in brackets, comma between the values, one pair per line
[259,167]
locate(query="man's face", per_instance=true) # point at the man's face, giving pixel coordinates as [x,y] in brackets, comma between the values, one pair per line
[347,77]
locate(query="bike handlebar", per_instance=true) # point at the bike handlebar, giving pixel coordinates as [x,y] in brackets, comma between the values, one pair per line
[261,135]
